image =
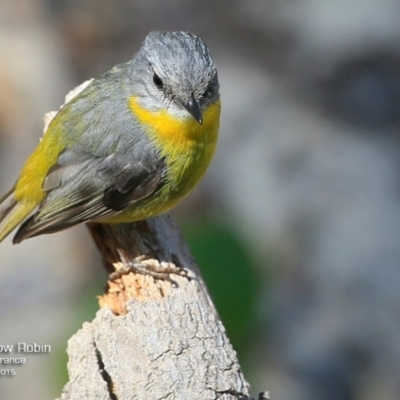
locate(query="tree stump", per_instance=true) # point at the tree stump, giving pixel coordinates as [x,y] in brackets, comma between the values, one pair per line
[152,338]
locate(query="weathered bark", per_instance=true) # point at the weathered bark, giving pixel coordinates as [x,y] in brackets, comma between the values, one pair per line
[152,338]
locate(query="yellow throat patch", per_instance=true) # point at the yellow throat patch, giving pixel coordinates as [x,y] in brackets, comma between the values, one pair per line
[167,130]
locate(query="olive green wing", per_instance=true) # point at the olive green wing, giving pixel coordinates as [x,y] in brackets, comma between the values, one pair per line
[82,188]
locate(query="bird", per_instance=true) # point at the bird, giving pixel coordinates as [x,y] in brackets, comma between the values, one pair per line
[132,144]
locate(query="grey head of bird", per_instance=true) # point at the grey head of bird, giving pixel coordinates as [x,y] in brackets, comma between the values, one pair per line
[173,71]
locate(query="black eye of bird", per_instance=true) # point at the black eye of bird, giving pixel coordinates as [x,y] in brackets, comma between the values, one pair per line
[157,81]
[208,91]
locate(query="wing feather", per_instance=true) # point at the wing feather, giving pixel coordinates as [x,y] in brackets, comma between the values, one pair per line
[92,188]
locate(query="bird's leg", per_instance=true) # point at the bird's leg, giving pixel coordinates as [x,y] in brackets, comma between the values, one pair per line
[146,265]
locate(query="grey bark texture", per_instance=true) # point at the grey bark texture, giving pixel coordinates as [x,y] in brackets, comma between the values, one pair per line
[152,338]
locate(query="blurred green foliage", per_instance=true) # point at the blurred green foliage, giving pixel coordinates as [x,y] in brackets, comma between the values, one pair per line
[229,274]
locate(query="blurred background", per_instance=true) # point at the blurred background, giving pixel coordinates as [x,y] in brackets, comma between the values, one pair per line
[296,226]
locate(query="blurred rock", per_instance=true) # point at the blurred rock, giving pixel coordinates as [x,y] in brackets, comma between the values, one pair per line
[313,158]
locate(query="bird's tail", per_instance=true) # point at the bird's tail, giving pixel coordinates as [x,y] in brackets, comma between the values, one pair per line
[12,213]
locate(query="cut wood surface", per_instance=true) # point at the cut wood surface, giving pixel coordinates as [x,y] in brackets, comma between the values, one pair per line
[152,338]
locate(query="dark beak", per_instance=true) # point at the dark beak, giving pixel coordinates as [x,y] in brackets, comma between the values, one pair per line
[194,109]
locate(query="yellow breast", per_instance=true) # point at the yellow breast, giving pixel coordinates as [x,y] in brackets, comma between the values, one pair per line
[187,146]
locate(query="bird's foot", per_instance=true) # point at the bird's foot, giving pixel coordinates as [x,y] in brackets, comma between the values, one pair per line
[147,265]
